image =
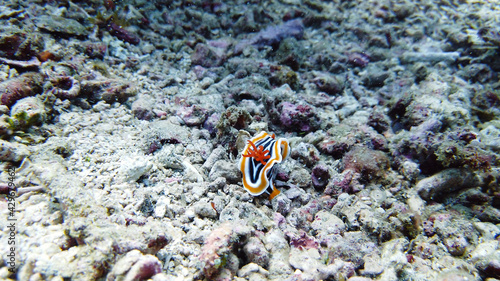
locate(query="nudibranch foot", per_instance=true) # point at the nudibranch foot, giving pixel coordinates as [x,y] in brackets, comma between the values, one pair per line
[274,193]
[258,161]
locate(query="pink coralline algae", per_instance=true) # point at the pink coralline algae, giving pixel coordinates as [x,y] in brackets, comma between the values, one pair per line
[300,118]
[303,241]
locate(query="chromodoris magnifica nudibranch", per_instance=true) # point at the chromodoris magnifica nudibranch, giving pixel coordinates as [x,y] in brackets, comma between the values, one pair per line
[258,161]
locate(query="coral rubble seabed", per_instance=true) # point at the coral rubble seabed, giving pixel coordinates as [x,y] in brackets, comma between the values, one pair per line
[124,122]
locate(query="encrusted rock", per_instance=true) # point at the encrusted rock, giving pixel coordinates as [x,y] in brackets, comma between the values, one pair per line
[216,250]
[277,245]
[326,223]
[143,108]
[447,181]
[135,266]
[226,169]
[309,262]
[33,108]
[28,64]
[306,153]
[320,176]
[123,34]
[60,25]
[192,115]
[133,168]
[12,151]
[281,204]
[252,269]
[164,132]
[273,35]
[208,56]
[204,209]
[256,252]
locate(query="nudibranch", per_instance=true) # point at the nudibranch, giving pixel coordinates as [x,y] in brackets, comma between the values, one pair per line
[258,161]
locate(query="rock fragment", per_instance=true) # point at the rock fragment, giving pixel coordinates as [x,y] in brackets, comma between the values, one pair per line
[446,181]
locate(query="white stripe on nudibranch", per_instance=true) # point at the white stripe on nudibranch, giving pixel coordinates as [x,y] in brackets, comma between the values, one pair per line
[257,163]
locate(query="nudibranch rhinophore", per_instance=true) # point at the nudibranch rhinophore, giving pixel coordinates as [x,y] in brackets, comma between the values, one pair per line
[258,161]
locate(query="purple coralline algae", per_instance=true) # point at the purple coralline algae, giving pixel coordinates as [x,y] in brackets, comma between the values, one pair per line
[320,176]
[297,117]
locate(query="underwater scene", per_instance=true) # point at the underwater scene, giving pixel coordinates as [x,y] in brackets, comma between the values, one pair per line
[286,140]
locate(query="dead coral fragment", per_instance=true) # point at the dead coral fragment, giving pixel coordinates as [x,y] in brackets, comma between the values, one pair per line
[28,84]
[60,26]
[123,34]
[12,151]
[135,266]
[32,63]
[26,113]
[369,163]
[234,117]
[453,154]
[444,182]
[273,35]
[216,249]
[67,87]
[109,90]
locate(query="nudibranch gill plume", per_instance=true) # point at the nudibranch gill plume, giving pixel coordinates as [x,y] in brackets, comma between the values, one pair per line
[258,161]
